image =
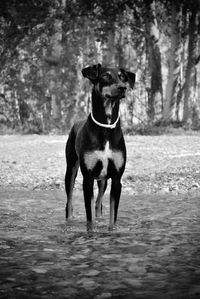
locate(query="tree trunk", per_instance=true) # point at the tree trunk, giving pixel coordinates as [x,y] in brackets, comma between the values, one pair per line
[174,65]
[181,66]
[109,49]
[198,73]
[55,56]
[190,69]
[155,98]
[54,62]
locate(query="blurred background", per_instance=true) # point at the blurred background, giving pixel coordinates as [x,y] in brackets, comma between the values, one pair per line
[44,44]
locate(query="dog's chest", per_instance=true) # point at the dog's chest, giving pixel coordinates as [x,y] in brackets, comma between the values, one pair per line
[102,157]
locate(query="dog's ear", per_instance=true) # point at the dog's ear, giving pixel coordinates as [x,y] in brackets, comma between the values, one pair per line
[130,77]
[92,72]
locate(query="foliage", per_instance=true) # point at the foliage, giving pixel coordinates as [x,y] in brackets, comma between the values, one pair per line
[45,44]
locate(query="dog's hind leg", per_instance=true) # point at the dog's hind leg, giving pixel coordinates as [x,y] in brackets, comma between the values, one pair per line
[71,173]
[98,205]
[114,201]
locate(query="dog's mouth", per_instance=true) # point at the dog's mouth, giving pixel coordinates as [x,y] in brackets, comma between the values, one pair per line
[116,96]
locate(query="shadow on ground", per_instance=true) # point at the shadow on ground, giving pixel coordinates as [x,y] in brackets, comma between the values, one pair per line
[155,252]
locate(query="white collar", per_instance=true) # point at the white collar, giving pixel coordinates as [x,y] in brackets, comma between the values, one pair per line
[111,126]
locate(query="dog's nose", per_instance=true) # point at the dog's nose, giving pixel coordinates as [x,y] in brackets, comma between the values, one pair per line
[122,88]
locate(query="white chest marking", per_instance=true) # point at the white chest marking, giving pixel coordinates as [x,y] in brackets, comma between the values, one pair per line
[91,158]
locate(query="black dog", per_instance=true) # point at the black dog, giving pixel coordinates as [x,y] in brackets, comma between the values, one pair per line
[97,144]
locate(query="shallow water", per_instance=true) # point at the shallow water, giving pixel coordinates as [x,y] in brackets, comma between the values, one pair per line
[154,253]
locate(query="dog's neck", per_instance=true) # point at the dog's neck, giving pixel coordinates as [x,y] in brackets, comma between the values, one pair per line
[98,113]
[105,126]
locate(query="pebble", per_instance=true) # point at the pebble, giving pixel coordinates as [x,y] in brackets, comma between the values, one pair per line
[92,273]
[136,269]
[103,296]
[90,284]
[39,270]
[136,283]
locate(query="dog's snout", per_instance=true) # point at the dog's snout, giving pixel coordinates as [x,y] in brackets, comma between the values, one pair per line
[122,88]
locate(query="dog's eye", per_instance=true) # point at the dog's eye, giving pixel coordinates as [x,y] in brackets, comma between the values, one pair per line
[107,77]
[122,77]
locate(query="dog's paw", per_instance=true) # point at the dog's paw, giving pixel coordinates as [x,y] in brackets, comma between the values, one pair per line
[112,228]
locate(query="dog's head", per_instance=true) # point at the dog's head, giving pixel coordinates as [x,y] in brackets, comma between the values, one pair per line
[111,83]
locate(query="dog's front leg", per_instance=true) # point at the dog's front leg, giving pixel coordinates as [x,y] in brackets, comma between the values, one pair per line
[114,201]
[88,185]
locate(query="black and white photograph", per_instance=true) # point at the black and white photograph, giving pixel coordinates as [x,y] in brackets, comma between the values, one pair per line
[99,149]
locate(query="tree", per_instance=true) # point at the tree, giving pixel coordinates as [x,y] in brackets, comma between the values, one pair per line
[155,94]
[190,68]
[45,44]
[174,63]
[18,18]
